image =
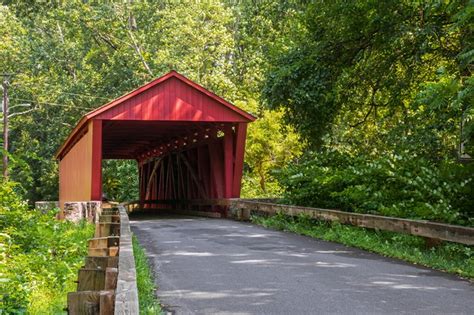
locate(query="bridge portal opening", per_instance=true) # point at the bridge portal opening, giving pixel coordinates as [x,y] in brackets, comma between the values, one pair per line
[188,143]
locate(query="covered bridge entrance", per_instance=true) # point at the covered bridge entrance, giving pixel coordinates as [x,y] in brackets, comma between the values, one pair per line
[188,143]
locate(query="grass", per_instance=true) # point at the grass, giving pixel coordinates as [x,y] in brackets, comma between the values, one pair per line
[148,302]
[59,274]
[41,259]
[450,257]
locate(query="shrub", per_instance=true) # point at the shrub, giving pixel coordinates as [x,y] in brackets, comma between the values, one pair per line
[398,185]
[40,256]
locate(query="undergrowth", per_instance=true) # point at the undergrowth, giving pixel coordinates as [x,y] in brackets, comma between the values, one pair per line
[148,302]
[449,257]
[396,185]
[39,257]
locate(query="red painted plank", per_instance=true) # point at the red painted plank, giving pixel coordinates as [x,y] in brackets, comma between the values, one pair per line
[216,156]
[213,109]
[177,102]
[228,161]
[96,178]
[240,134]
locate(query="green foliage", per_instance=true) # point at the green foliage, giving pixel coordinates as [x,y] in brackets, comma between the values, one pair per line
[383,92]
[72,57]
[120,180]
[355,73]
[146,287]
[450,257]
[401,185]
[40,256]
[263,155]
[383,89]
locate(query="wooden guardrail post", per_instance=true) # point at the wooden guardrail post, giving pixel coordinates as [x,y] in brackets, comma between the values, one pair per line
[91,279]
[84,302]
[106,302]
[111,275]
[107,229]
[109,218]
[101,262]
[104,268]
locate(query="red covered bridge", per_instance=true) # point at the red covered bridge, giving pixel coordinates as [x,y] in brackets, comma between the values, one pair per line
[189,143]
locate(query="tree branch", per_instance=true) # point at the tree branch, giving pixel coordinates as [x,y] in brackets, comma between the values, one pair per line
[365,117]
[373,105]
[21,113]
[139,52]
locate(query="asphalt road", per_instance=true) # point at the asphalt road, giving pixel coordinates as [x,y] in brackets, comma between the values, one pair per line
[213,266]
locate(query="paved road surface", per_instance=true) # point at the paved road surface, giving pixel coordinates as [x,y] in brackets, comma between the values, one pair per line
[213,266]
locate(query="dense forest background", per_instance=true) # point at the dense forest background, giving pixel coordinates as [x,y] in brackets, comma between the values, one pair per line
[362,105]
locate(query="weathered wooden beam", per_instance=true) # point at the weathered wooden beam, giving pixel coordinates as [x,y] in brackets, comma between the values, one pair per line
[106,302]
[104,242]
[112,211]
[91,302]
[91,280]
[446,232]
[98,252]
[94,262]
[126,294]
[108,218]
[84,302]
[194,176]
[103,251]
[113,251]
[106,205]
[107,229]
[151,178]
[111,278]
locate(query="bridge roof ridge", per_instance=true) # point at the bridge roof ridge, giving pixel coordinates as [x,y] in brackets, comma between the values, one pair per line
[116,102]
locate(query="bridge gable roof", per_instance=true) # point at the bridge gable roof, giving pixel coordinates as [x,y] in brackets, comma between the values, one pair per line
[172,97]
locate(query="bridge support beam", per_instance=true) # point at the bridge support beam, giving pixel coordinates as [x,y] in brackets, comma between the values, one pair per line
[228,161]
[239,140]
[96,176]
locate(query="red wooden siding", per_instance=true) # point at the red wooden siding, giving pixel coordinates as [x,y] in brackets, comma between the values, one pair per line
[172,100]
[240,134]
[197,137]
[96,163]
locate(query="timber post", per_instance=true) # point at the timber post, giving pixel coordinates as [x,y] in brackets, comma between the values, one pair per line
[100,284]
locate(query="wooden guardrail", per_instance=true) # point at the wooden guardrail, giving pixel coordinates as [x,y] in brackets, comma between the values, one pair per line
[97,279]
[126,294]
[242,209]
[106,283]
[433,230]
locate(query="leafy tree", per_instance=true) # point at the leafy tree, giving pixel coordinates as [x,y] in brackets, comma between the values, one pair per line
[72,57]
[359,68]
[380,90]
[264,156]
